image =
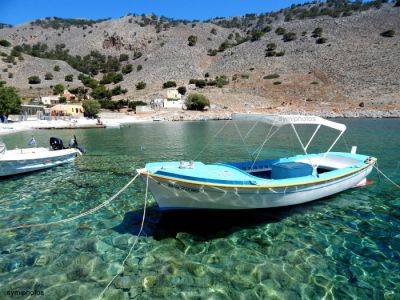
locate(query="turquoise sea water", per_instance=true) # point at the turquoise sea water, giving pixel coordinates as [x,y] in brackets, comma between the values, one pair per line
[345,246]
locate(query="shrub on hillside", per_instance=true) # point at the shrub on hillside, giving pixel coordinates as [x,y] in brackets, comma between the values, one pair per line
[69,78]
[182,90]
[48,76]
[139,68]
[112,77]
[101,92]
[192,40]
[133,104]
[56,68]
[10,102]
[169,84]
[280,31]
[321,40]
[5,43]
[212,52]
[141,85]
[34,79]
[123,57]
[58,89]
[127,69]
[317,32]
[271,76]
[197,101]
[388,33]
[289,36]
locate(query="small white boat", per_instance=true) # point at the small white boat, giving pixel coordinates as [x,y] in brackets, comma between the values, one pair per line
[25,160]
[259,183]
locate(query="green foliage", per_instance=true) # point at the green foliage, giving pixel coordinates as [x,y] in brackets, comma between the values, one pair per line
[5,43]
[133,104]
[212,52]
[256,35]
[289,36]
[219,81]
[48,76]
[317,32]
[200,83]
[58,23]
[169,84]
[197,101]
[127,69]
[88,81]
[182,90]
[123,57]
[213,31]
[79,91]
[91,108]
[69,77]
[388,33]
[271,46]
[101,92]
[112,77]
[34,79]
[141,85]
[139,68]
[225,45]
[321,40]
[192,40]
[118,91]
[10,75]
[56,69]
[280,31]
[58,89]
[10,102]
[271,76]
[63,100]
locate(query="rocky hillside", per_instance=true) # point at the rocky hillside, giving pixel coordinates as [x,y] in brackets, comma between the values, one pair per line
[344,62]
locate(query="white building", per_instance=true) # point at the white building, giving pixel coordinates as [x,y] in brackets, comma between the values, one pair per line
[50,100]
[173,104]
[173,94]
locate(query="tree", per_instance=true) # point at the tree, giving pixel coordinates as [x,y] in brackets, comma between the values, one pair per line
[317,32]
[91,108]
[56,69]
[101,92]
[182,90]
[34,79]
[69,77]
[138,68]
[169,84]
[112,77]
[141,85]
[192,40]
[280,31]
[123,57]
[213,31]
[10,103]
[48,76]
[62,100]
[58,89]
[5,43]
[197,102]
[127,69]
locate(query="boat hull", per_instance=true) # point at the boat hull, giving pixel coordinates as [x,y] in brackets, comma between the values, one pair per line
[171,195]
[19,163]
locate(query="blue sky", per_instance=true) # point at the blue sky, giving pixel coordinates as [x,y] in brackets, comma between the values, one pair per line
[21,11]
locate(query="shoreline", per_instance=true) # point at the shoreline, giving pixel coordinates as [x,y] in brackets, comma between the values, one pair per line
[115,120]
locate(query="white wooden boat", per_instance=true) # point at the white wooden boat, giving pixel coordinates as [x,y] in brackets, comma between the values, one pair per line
[259,183]
[25,160]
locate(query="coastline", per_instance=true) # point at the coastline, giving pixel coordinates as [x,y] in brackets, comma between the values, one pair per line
[115,120]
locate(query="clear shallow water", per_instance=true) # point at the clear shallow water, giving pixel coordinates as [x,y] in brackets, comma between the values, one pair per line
[344,246]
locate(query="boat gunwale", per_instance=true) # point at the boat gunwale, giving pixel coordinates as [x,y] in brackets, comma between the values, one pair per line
[143,172]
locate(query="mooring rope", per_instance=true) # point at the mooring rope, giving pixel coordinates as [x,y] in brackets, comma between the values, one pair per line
[90,211]
[134,243]
[387,177]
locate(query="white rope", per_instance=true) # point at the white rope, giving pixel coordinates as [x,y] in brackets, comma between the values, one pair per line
[387,177]
[90,211]
[134,243]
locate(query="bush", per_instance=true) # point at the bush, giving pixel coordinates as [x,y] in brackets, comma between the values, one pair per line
[200,83]
[212,52]
[280,53]
[62,100]
[48,76]
[5,43]
[141,85]
[112,77]
[123,57]
[321,40]
[288,37]
[34,80]
[213,31]
[10,103]
[271,76]
[192,40]
[58,89]
[271,46]
[280,31]
[56,68]
[118,90]
[388,33]
[88,81]
[169,84]
[101,92]
[182,90]
[139,68]
[256,35]
[91,108]
[10,75]
[277,82]
[127,69]
[197,102]
[133,104]
[69,77]
[317,32]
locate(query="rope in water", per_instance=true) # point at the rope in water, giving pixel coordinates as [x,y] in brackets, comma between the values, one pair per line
[134,243]
[90,211]
[387,177]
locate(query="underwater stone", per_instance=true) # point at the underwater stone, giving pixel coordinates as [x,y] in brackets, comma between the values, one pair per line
[124,282]
[149,282]
[77,273]
[196,269]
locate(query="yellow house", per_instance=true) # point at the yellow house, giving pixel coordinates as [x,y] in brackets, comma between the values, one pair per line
[74,110]
[173,94]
